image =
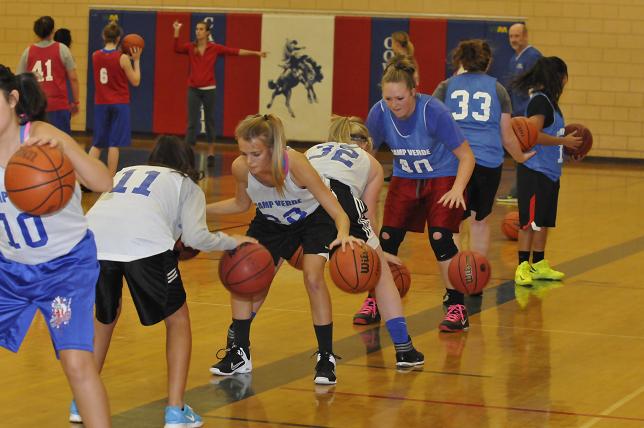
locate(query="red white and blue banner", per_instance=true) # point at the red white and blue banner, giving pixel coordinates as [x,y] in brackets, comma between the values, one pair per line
[320,64]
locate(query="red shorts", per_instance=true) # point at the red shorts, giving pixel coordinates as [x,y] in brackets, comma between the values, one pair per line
[412,203]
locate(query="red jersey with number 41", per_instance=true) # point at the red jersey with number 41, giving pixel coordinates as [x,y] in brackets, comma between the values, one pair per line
[49,69]
[110,82]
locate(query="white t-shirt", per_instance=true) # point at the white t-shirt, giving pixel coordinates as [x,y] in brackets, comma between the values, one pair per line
[146,212]
[346,163]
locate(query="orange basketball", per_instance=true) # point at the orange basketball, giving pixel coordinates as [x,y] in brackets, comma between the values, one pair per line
[39,179]
[525,132]
[510,225]
[355,270]
[247,270]
[296,258]
[184,252]
[402,278]
[131,40]
[586,142]
[469,272]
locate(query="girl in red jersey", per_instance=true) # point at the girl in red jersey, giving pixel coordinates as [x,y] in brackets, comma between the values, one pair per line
[201,81]
[112,72]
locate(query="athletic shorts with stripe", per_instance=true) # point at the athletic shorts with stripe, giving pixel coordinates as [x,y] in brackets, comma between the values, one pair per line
[538,196]
[411,204]
[154,282]
[356,210]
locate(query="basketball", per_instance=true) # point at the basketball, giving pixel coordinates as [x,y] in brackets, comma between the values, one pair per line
[586,142]
[510,225]
[469,272]
[183,252]
[402,278]
[131,40]
[39,180]
[355,270]
[296,258]
[247,270]
[525,132]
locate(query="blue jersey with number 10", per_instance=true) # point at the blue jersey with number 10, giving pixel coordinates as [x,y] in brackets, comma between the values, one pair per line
[475,106]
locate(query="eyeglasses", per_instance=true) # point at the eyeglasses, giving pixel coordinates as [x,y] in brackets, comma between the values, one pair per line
[359,138]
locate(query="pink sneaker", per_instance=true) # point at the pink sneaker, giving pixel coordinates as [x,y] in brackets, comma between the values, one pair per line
[368,313]
[455,319]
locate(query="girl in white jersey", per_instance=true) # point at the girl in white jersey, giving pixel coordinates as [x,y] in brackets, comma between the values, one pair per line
[48,263]
[154,205]
[294,206]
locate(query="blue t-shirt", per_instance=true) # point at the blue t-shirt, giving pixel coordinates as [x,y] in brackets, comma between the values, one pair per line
[472,98]
[519,64]
[423,143]
[548,159]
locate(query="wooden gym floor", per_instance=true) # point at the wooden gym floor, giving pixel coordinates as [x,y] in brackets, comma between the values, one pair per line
[554,355]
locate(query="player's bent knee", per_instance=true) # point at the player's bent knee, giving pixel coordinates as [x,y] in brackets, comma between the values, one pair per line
[391,238]
[442,242]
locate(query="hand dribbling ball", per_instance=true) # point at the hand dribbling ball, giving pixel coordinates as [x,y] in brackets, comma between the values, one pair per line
[130,41]
[510,225]
[402,278]
[469,272]
[183,252]
[247,270]
[355,270]
[39,180]
[525,132]
[586,140]
[296,258]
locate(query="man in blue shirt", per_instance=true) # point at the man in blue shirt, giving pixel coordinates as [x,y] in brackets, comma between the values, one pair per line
[525,56]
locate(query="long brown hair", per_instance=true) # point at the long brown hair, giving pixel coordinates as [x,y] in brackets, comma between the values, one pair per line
[404,41]
[473,55]
[269,130]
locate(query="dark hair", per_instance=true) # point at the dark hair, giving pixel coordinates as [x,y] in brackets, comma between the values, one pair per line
[32,102]
[207,24]
[400,68]
[405,42]
[44,26]
[111,32]
[547,75]
[64,36]
[172,152]
[474,55]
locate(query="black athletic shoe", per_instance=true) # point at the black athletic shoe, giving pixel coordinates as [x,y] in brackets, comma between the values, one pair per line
[236,360]
[325,369]
[409,358]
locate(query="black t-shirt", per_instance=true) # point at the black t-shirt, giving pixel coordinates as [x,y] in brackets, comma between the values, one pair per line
[539,104]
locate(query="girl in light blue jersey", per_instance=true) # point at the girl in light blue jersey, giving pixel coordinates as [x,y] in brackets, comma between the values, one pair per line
[538,177]
[48,263]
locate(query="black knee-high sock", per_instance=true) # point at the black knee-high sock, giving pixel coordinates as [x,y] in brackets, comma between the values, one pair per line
[324,334]
[242,333]
[537,256]
[524,256]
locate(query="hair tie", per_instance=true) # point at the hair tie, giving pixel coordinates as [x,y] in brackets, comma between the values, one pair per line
[266,117]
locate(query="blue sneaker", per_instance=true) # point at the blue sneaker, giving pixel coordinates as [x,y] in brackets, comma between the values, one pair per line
[74,416]
[175,417]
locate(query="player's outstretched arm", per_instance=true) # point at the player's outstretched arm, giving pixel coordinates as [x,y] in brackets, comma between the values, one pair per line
[241,202]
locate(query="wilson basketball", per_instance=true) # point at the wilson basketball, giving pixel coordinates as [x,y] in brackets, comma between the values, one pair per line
[510,225]
[247,270]
[39,179]
[586,142]
[469,272]
[402,278]
[296,258]
[355,270]
[131,40]
[184,252]
[525,132]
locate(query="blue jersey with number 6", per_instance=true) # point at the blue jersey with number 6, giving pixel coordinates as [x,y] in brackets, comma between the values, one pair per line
[475,106]
[31,240]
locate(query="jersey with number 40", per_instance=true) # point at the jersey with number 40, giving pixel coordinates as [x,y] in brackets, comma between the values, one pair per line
[346,163]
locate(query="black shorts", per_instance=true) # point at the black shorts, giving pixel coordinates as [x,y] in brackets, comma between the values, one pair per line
[538,196]
[481,191]
[154,282]
[356,210]
[314,233]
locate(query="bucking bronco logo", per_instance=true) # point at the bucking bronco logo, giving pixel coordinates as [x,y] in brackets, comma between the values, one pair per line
[297,68]
[61,311]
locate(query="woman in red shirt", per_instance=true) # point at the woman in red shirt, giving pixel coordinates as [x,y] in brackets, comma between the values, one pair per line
[202,54]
